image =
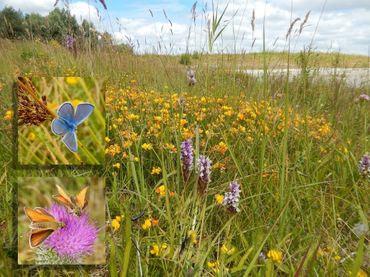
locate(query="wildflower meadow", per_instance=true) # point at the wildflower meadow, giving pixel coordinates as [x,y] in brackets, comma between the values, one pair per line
[209,170]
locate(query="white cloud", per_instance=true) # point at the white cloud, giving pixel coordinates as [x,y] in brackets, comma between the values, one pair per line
[31,6]
[82,10]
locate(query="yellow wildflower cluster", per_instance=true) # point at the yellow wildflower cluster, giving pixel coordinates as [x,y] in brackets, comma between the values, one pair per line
[228,249]
[156,170]
[116,222]
[161,190]
[138,114]
[214,266]
[158,249]
[275,255]
[113,149]
[193,236]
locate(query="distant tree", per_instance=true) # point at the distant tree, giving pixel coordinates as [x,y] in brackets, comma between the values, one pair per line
[36,26]
[89,36]
[57,25]
[60,23]
[11,23]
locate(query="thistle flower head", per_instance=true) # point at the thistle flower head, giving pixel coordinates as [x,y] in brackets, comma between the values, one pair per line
[187,158]
[231,198]
[76,239]
[364,165]
[204,170]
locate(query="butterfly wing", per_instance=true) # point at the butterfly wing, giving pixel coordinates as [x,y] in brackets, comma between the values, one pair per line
[83,111]
[38,236]
[58,126]
[63,198]
[70,140]
[43,211]
[81,198]
[66,112]
[37,216]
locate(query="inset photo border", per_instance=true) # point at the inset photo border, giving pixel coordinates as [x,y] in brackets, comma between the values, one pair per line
[59,121]
[61,220]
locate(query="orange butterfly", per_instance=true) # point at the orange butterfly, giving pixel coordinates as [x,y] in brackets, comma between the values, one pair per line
[76,204]
[43,224]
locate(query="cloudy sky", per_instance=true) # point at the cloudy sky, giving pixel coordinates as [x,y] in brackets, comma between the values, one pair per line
[167,26]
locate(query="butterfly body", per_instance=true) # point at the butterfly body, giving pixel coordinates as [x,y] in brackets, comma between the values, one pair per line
[46,225]
[75,204]
[43,224]
[68,120]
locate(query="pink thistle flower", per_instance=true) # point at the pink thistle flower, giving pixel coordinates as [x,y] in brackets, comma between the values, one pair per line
[76,239]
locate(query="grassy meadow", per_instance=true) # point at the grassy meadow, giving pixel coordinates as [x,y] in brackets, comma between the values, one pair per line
[293,145]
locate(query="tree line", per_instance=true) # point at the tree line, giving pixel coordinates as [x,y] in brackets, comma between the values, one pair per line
[57,25]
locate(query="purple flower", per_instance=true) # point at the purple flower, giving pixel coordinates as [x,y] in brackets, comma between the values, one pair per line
[191,77]
[364,165]
[69,42]
[363,97]
[187,158]
[76,239]
[231,198]
[204,170]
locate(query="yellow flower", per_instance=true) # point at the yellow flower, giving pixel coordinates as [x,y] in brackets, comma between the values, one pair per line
[31,136]
[117,165]
[193,236]
[8,115]
[227,250]
[107,140]
[157,250]
[156,171]
[113,150]
[72,80]
[157,118]
[219,199]
[337,258]
[116,223]
[161,190]
[75,102]
[170,147]
[220,166]
[275,255]
[147,146]
[147,224]
[215,266]
[220,148]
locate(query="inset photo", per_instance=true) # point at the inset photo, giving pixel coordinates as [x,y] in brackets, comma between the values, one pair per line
[61,121]
[61,220]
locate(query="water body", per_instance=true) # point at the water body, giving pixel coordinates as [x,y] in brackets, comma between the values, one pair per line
[354,77]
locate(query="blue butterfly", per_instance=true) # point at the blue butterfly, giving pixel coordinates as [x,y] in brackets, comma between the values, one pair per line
[67,121]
